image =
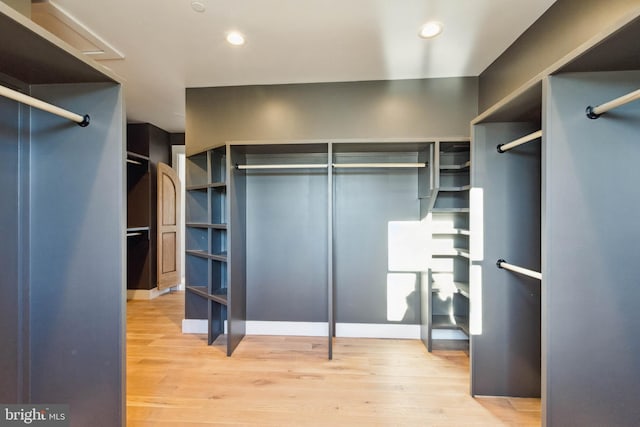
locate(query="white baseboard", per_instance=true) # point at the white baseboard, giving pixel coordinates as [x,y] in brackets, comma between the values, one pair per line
[194,326]
[305,329]
[448,334]
[313,329]
[376,330]
[145,293]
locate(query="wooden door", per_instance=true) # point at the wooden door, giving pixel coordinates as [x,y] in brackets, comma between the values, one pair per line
[168,230]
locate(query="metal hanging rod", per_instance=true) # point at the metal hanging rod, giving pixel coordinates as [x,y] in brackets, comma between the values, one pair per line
[285,166]
[509,145]
[595,112]
[505,265]
[379,165]
[135,162]
[36,103]
[133,234]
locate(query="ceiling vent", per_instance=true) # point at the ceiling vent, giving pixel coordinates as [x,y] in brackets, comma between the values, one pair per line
[59,22]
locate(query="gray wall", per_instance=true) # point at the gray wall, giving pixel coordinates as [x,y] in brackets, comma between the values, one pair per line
[590,254]
[286,245]
[365,201]
[564,27]
[374,109]
[77,223]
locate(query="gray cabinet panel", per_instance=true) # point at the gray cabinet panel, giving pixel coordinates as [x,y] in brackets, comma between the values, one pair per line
[77,223]
[590,254]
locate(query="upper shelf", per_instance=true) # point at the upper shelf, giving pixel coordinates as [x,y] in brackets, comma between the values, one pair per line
[35,56]
[613,49]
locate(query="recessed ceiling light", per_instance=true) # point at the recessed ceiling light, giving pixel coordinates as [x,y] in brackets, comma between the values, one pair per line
[198,6]
[235,38]
[430,29]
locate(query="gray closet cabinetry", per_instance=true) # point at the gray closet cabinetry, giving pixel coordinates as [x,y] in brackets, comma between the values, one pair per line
[448,280]
[571,192]
[206,274]
[308,232]
[62,312]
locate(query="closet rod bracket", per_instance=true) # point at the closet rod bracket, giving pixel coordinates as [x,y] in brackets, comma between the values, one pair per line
[85,121]
[499,148]
[500,261]
[591,114]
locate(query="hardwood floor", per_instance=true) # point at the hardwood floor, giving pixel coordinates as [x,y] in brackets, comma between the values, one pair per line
[177,380]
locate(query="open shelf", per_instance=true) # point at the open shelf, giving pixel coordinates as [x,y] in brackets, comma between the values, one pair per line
[222,256]
[458,188]
[218,295]
[443,321]
[461,287]
[450,210]
[452,252]
[221,186]
[458,167]
[450,231]
[206,225]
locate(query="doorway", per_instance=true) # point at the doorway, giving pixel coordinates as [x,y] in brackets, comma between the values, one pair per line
[178,163]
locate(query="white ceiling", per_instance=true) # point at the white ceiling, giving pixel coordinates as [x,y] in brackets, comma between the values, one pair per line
[167,46]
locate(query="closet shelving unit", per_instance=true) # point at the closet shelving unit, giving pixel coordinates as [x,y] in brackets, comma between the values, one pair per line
[138,216]
[206,240]
[448,280]
[547,206]
[147,146]
[297,249]
[506,354]
[62,311]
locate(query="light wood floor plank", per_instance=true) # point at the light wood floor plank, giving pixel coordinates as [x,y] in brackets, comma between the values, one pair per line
[177,380]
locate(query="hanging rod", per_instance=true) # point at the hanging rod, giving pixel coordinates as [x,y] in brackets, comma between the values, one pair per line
[379,165]
[135,162]
[285,166]
[33,102]
[509,145]
[133,234]
[595,112]
[505,265]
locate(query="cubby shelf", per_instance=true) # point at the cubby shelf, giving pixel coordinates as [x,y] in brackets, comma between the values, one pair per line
[460,287]
[221,256]
[441,321]
[450,231]
[218,295]
[450,210]
[452,252]
[457,167]
[206,208]
[458,188]
[448,296]
[206,225]
[203,187]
